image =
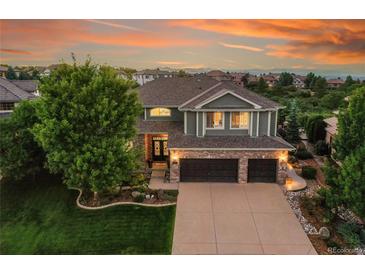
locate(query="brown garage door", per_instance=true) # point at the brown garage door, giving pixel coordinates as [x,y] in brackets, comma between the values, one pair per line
[262,170]
[208,170]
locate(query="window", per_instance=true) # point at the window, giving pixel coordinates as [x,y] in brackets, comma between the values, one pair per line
[215,120]
[155,112]
[6,106]
[239,120]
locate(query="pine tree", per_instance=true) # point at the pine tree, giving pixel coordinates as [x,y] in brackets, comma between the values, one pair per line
[292,132]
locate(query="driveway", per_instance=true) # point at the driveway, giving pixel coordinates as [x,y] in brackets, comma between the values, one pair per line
[229,218]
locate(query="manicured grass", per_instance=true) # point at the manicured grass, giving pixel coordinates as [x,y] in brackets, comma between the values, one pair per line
[42,218]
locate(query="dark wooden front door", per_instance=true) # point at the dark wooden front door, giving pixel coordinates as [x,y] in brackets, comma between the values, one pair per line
[262,170]
[159,149]
[208,170]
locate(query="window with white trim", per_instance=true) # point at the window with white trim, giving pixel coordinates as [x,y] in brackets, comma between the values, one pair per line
[240,120]
[160,112]
[215,120]
[6,106]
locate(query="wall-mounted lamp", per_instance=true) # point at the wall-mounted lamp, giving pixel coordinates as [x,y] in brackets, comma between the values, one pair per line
[174,160]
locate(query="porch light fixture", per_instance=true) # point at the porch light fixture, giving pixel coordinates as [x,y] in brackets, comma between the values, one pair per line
[174,160]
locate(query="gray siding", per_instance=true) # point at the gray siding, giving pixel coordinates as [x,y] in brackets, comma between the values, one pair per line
[254,124]
[228,101]
[191,122]
[263,123]
[176,115]
[200,124]
[273,124]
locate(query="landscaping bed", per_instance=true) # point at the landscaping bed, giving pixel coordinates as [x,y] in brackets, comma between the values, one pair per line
[312,216]
[42,217]
[140,195]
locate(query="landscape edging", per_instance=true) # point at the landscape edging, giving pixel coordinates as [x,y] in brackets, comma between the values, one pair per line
[116,203]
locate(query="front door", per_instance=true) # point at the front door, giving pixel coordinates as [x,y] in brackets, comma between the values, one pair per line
[159,149]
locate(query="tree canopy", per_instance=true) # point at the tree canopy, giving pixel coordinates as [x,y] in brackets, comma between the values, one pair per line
[20,155]
[292,132]
[87,123]
[351,125]
[285,79]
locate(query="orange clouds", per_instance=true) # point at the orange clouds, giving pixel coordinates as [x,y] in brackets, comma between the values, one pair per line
[235,46]
[47,37]
[14,51]
[324,41]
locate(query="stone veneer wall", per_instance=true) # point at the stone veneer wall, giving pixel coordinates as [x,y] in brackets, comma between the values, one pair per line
[242,156]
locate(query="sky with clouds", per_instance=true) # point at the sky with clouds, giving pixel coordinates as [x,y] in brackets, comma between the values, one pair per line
[318,45]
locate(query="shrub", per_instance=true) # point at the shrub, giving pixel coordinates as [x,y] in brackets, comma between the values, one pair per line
[303,154]
[309,172]
[139,198]
[349,234]
[315,128]
[321,148]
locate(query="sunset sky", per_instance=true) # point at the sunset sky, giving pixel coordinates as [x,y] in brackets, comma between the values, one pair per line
[302,45]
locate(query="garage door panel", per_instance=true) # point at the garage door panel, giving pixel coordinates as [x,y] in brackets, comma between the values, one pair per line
[262,170]
[208,170]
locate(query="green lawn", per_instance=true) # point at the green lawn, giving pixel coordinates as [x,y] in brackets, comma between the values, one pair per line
[42,218]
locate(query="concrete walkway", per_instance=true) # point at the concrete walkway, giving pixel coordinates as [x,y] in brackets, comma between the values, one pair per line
[294,181]
[228,218]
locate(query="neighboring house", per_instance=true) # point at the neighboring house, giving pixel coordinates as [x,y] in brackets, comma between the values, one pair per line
[298,81]
[331,130]
[11,93]
[270,79]
[236,78]
[211,131]
[144,76]
[335,83]
[30,86]
[218,75]
[3,71]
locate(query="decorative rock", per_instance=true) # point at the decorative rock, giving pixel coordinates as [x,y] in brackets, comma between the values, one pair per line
[135,194]
[324,233]
[148,196]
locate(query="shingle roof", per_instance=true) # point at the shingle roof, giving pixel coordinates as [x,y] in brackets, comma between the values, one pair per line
[177,91]
[173,91]
[177,139]
[4,69]
[27,85]
[9,92]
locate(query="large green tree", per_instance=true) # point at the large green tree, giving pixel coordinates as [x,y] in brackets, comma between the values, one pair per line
[88,117]
[308,80]
[262,86]
[285,79]
[292,131]
[351,126]
[319,85]
[21,156]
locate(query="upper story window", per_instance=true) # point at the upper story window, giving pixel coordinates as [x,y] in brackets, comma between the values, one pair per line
[239,120]
[158,112]
[215,120]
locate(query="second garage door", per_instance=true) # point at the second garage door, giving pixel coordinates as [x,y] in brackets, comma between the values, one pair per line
[262,170]
[208,170]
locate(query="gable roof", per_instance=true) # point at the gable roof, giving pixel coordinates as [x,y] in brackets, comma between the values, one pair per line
[10,92]
[188,92]
[27,85]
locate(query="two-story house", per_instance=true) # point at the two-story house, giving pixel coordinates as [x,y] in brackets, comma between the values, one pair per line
[144,76]
[211,131]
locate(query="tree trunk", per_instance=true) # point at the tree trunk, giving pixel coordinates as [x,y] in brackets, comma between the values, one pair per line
[96,198]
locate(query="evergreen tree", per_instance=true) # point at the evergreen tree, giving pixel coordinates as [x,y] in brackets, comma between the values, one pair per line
[10,74]
[262,85]
[285,79]
[292,132]
[308,80]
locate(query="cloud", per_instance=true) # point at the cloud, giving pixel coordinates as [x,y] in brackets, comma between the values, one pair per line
[235,46]
[15,51]
[324,41]
[49,38]
[113,25]
[170,62]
